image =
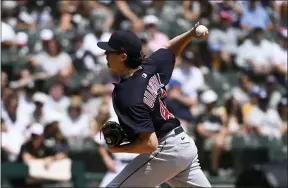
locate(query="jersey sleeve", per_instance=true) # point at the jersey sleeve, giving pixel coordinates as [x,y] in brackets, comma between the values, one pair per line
[138,119]
[162,61]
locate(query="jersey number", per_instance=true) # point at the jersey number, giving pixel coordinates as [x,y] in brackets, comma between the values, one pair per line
[164,111]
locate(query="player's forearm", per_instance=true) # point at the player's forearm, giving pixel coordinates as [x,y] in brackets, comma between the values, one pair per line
[146,144]
[177,44]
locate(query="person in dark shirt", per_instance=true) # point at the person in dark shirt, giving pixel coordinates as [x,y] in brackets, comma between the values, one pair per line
[37,149]
[167,153]
[210,130]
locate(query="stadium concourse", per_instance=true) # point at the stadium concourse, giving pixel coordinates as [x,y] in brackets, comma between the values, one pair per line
[56,89]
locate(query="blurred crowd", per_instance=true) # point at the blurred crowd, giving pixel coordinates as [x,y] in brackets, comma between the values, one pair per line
[228,91]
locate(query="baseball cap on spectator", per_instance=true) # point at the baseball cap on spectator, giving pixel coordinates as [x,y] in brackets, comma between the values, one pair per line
[46,34]
[224,15]
[150,19]
[21,39]
[36,129]
[209,96]
[7,33]
[123,41]
[40,97]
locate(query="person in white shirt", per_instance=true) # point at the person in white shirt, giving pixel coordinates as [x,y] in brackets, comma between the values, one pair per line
[186,81]
[265,120]
[118,161]
[52,61]
[254,54]
[57,100]
[42,113]
[75,125]
[25,99]
[267,125]
[90,44]
[16,123]
[156,39]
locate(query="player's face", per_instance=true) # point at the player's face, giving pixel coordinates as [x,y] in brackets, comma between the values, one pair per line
[115,61]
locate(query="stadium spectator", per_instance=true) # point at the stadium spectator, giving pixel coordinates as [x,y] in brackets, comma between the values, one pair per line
[156,39]
[36,153]
[13,115]
[253,94]
[53,136]
[210,130]
[100,118]
[255,16]
[231,7]
[90,41]
[223,41]
[8,152]
[75,125]
[191,10]
[254,54]
[240,92]
[233,116]
[201,10]
[57,100]
[273,93]
[41,114]
[268,122]
[130,15]
[52,60]
[83,60]
[184,85]
[144,41]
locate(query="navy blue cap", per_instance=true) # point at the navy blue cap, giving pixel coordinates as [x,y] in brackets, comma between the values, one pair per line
[122,41]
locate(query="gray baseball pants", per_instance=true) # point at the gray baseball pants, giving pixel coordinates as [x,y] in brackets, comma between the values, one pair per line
[175,162]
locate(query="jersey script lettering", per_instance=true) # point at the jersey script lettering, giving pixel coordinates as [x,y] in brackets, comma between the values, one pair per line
[151,91]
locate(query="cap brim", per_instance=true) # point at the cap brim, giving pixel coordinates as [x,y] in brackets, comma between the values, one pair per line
[105,46]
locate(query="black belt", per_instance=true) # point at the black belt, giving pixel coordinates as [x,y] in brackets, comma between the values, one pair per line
[176,130]
[125,161]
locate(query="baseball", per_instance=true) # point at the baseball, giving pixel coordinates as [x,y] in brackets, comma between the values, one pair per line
[201,29]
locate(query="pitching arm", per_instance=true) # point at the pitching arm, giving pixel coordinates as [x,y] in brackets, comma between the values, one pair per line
[177,44]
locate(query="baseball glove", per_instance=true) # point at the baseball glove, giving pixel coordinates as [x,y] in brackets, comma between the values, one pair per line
[113,133]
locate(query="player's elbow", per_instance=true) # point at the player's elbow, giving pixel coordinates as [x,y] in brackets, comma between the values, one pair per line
[150,142]
[152,146]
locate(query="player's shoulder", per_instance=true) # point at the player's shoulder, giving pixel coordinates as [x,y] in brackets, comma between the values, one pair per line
[161,54]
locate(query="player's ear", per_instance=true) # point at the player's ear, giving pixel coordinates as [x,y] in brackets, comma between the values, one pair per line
[123,57]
